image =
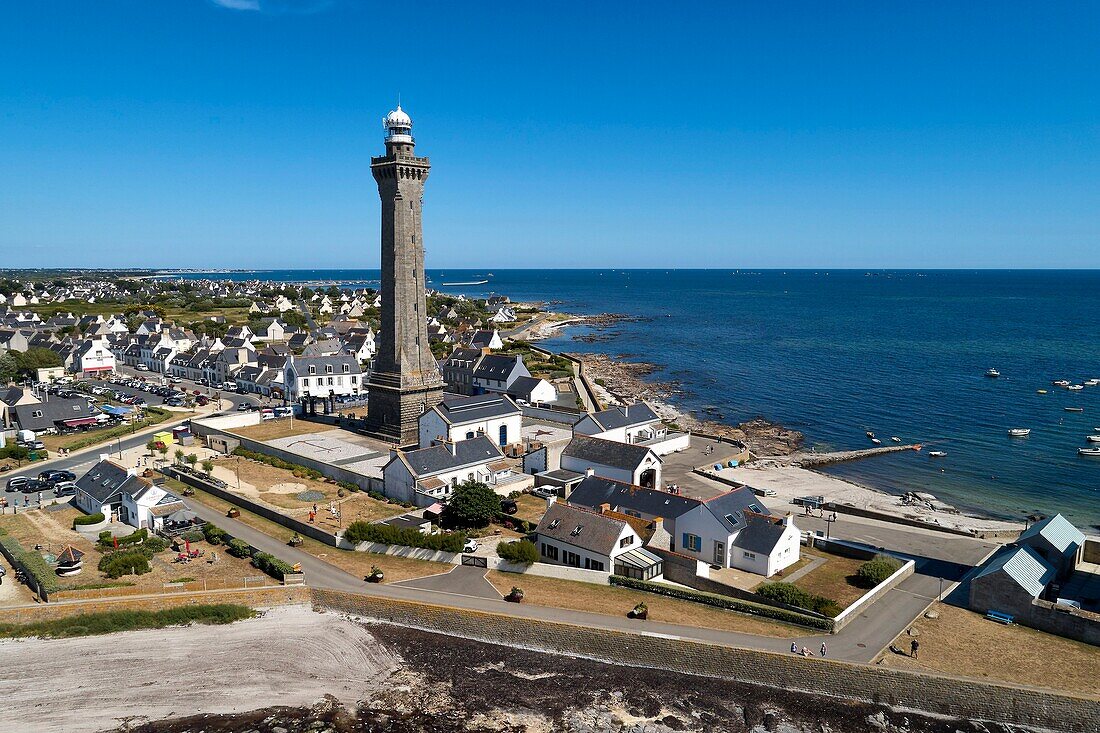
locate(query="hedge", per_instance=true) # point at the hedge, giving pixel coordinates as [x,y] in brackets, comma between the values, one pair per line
[511,521]
[214,534]
[521,551]
[878,569]
[44,576]
[124,562]
[407,536]
[238,548]
[88,519]
[153,416]
[731,604]
[792,595]
[272,565]
[134,538]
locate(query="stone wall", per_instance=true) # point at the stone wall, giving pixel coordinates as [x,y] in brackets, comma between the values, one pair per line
[254,597]
[1091,552]
[968,699]
[852,612]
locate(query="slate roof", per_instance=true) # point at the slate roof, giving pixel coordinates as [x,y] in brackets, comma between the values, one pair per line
[458,410]
[1057,531]
[438,458]
[463,358]
[730,508]
[106,480]
[602,452]
[760,534]
[1024,566]
[593,491]
[618,417]
[523,386]
[496,366]
[54,411]
[588,530]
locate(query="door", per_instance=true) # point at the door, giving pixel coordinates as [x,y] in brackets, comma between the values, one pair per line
[503,435]
[719,553]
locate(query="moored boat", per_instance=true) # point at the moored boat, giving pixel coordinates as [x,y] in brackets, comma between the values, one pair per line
[1075,387]
[1091,452]
[895,438]
[992,373]
[1019,432]
[1042,391]
[1074,409]
[1093,438]
[937,454]
[1060,383]
[876,441]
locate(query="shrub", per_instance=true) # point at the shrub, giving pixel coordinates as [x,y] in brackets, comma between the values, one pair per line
[44,576]
[473,505]
[272,565]
[124,562]
[385,534]
[792,595]
[521,551]
[876,570]
[88,519]
[107,622]
[193,535]
[731,604]
[153,545]
[214,534]
[238,548]
[134,538]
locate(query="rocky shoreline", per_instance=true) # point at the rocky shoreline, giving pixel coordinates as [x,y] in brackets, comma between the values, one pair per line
[624,381]
[452,685]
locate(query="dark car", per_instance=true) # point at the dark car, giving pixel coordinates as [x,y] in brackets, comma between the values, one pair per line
[19,483]
[509,506]
[56,476]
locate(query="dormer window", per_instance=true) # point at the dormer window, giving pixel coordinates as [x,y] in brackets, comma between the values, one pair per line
[328,368]
[554,524]
[312,369]
[577,530]
[347,368]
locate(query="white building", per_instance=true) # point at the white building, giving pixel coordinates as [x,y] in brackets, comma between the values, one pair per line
[636,423]
[631,464]
[581,538]
[427,475]
[458,418]
[322,376]
[94,356]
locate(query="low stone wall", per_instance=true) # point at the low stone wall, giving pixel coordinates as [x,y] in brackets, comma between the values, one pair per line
[126,591]
[893,519]
[852,612]
[956,697]
[1071,623]
[302,528]
[547,570]
[254,597]
[416,553]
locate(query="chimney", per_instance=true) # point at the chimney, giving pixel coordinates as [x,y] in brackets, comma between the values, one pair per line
[103,456]
[626,410]
[589,472]
[453,445]
[486,350]
[605,508]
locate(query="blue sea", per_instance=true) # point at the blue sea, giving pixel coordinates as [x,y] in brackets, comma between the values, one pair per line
[837,353]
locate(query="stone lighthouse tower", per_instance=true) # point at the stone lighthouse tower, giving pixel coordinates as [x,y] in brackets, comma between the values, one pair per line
[406,381]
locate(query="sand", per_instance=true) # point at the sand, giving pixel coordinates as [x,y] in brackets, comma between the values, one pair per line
[291,656]
[790,482]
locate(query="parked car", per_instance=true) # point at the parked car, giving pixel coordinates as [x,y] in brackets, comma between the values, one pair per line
[267,414]
[57,476]
[471,545]
[509,506]
[36,445]
[174,402]
[245,407]
[19,483]
[68,488]
[142,368]
[176,380]
[546,492]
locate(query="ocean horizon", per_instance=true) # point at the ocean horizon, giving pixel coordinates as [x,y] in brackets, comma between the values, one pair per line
[838,352]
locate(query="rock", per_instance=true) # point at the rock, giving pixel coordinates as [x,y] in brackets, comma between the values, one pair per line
[913,631]
[932,613]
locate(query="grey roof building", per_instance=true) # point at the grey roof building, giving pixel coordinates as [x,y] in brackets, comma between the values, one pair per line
[1010,581]
[57,413]
[1056,541]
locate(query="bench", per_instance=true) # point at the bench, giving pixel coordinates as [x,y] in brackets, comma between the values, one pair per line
[1001,618]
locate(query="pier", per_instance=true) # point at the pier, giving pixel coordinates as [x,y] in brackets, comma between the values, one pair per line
[809,460]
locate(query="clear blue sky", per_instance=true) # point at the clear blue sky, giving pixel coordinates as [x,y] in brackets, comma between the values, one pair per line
[238,133]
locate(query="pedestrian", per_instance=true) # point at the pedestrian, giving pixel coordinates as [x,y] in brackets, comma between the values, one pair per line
[315,508]
[824,649]
[311,516]
[794,648]
[913,648]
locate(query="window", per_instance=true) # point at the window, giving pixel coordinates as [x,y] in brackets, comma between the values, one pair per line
[305,381]
[354,379]
[469,434]
[312,369]
[572,559]
[347,368]
[750,555]
[36,413]
[554,524]
[549,551]
[328,368]
[692,542]
[330,381]
[755,508]
[626,542]
[590,564]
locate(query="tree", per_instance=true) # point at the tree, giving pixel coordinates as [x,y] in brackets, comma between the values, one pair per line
[179,457]
[473,505]
[163,450]
[876,570]
[151,446]
[191,459]
[9,368]
[294,319]
[521,551]
[36,358]
[208,466]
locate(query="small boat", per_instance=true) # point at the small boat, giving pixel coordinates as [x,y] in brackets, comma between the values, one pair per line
[993,373]
[1074,409]
[876,441]
[895,438]
[1090,452]
[1042,391]
[1060,383]
[1019,432]
[1075,387]
[1093,438]
[937,454]
[1092,382]
[870,435]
